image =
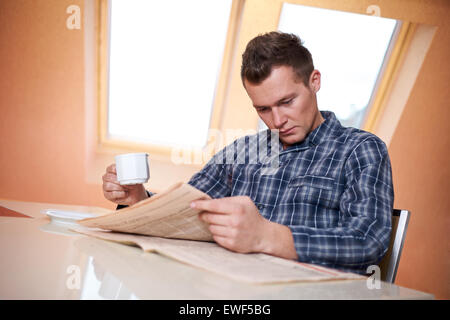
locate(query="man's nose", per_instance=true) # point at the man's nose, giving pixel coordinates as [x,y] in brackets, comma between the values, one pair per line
[279,118]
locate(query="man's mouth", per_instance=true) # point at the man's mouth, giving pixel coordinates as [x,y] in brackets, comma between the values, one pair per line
[286,131]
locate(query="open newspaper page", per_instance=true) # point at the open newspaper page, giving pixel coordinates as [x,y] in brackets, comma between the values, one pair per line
[167,214]
[255,268]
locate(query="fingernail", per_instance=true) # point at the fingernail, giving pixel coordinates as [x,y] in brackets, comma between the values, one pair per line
[192,204]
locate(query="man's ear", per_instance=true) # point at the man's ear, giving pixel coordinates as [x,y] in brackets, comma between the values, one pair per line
[314,80]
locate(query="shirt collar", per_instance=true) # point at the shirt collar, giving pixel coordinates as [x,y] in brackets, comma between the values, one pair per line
[322,133]
[325,130]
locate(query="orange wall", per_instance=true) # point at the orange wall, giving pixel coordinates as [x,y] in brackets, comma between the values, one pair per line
[43,126]
[42,129]
[420,153]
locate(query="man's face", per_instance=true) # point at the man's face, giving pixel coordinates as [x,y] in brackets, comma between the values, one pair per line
[283,102]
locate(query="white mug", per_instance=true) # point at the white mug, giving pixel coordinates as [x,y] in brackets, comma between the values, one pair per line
[132,168]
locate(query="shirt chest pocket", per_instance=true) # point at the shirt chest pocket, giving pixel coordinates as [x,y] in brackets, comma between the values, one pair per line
[315,190]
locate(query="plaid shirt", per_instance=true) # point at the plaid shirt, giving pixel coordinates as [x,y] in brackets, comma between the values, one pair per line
[333,190]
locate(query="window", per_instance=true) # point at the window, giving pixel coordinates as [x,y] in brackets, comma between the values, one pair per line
[148,105]
[164,61]
[348,49]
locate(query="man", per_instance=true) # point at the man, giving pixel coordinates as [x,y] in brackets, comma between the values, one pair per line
[330,200]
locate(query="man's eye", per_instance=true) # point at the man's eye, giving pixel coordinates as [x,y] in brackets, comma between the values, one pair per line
[286,102]
[264,109]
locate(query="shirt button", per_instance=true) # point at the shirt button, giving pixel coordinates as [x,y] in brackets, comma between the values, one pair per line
[260,206]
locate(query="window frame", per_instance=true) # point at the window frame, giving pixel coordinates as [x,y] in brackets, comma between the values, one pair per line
[161,152]
[392,61]
[386,77]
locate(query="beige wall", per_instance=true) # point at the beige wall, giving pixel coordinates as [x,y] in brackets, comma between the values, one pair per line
[47,123]
[42,122]
[420,153]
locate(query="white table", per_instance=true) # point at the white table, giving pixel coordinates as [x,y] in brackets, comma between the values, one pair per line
[40,260]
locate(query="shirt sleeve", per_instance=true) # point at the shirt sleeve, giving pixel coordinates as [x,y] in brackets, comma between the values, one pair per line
[363,232]
[215,177]
[121,206]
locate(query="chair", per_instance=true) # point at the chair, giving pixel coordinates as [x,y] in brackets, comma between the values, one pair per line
[389,263]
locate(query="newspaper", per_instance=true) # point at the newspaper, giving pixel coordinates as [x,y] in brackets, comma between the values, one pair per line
[165,223]
[256,268]
[167,215]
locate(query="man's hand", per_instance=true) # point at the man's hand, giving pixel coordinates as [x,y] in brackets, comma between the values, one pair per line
[237,225]
[115,192]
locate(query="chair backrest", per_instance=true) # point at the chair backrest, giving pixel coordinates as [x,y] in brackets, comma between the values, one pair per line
[389,263]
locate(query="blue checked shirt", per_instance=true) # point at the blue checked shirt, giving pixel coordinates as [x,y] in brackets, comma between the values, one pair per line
[333,190]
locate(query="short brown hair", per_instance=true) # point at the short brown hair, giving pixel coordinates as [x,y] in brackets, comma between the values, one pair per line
[275,49]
